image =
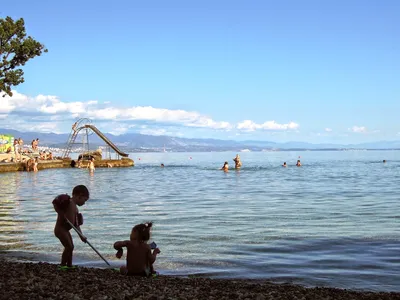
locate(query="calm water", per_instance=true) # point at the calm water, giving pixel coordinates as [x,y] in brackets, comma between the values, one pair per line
[333,222]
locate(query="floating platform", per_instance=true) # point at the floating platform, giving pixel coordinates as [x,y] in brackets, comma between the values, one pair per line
[66,163]
[86,128]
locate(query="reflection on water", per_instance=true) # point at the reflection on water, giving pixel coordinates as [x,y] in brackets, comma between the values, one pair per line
[332,222]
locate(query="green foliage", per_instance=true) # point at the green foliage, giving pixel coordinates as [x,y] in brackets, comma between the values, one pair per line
[15,50]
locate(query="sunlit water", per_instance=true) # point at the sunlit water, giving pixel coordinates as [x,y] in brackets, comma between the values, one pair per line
[333,222]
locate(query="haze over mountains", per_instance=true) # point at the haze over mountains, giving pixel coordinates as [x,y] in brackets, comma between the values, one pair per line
[133,142]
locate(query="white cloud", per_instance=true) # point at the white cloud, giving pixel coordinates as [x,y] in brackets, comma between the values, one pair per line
[207,122]
[113,127]
[158,131]
[328,129]
[51,105]
[6,106]
[249,125]
[44,127]
[358,129]
[44,108]
[363,129]
[40,104]
[108,113]
[118,130]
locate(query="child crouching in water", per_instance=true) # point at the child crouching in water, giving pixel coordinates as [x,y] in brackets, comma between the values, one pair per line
[139,259]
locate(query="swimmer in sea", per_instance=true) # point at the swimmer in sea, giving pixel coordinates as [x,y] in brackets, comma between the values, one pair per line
[284,164]
[237,161]
[225,167]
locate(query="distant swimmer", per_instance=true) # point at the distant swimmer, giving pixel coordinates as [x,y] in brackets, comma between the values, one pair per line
[91,165]
[237,161]
[35,165]
[79,162]
[284,165]
[162,166]
[225,167]
[384,161]
[298,163]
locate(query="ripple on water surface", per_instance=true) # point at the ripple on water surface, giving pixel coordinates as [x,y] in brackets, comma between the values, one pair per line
[332,222]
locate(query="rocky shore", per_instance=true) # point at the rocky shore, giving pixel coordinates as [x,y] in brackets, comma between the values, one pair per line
[47,281]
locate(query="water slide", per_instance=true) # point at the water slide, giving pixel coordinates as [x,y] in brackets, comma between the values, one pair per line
[104,138]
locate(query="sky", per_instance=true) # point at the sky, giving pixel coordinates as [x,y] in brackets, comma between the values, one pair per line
[313,71]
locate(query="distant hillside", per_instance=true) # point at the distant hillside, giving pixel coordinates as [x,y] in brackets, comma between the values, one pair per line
[132,142]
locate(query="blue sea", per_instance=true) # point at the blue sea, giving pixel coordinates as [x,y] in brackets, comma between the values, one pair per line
[333,222]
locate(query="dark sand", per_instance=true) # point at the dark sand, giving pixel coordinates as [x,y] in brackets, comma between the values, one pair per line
[46,281]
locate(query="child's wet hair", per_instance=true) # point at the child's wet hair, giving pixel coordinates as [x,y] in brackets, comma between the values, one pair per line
[80,190]
[142,231]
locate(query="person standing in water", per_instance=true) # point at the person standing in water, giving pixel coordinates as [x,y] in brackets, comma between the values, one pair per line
[91,165]
[35,165]
[238,163]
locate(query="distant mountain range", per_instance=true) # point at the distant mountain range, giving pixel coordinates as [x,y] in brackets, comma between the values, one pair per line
[135,142]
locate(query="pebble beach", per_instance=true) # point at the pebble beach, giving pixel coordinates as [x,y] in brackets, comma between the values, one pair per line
[21,280]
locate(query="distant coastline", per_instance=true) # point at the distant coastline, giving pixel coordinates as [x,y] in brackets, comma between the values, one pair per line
[280,150]
[156,150]
[135,142]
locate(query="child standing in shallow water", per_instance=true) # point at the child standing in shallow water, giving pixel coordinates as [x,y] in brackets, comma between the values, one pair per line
[139,259]
[66,208]
[91,165]
[35,165]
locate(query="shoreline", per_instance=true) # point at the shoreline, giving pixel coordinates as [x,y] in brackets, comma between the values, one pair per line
[62,164]
[30,280]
